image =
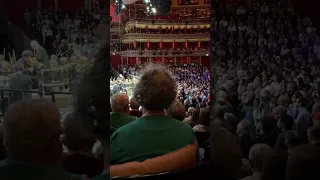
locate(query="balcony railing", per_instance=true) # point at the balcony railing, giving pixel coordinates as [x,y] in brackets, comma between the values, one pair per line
[157,53]
[143,35]
[5,101]
[171,21]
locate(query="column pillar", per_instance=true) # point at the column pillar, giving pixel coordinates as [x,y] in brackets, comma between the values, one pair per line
[200,59]
[137,60]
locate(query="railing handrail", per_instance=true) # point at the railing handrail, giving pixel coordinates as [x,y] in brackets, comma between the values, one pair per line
[165,35]
[2,90]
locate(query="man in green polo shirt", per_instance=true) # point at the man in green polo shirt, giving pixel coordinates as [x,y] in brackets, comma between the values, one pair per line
[120,111]
[32,140]
[154,134]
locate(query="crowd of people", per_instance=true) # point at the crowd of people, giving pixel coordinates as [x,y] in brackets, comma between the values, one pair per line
[266,88]
[61,33]
[175,97]
[192,81]
[260,122]
[136,13]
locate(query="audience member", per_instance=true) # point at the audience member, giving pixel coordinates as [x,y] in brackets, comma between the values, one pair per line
[204,120]
[258,154]
[176,111]
[120,111]
[315,135]
[134,108]
[32,140]
[79,140]
[154,134]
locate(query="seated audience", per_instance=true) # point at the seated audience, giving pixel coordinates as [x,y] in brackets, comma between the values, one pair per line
[257,156]
[79,140]
[285,124]
[134,109]
[204,120]
[32,140]
[303,163]
[244,131]
[315,135]
[154,134]
[120,111]
[176,111]
[193,117]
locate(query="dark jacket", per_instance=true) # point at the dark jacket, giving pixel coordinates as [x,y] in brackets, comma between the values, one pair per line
[82,164]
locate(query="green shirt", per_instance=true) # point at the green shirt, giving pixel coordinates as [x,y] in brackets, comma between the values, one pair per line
[102,177]
[14,170]
[149,137]
[118,120]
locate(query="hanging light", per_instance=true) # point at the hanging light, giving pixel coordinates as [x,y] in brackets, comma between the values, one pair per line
[154,11]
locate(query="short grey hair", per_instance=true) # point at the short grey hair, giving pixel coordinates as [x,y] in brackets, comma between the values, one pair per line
[34,43]
[258,154]
[176,110]
[26,53]
[28,125]
[120,102]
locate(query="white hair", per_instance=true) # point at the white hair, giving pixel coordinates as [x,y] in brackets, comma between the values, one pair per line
[35,44]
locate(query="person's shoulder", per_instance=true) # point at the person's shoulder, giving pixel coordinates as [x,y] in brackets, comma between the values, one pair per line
[131,118]
[181,125]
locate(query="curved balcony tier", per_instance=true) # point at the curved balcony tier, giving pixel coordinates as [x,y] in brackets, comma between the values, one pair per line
[163,53]
[167,39]
[175,36]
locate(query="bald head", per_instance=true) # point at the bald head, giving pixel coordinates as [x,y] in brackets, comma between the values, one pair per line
[120,103]
[32,130]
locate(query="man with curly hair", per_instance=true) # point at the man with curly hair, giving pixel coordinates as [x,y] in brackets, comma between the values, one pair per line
[154,134]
